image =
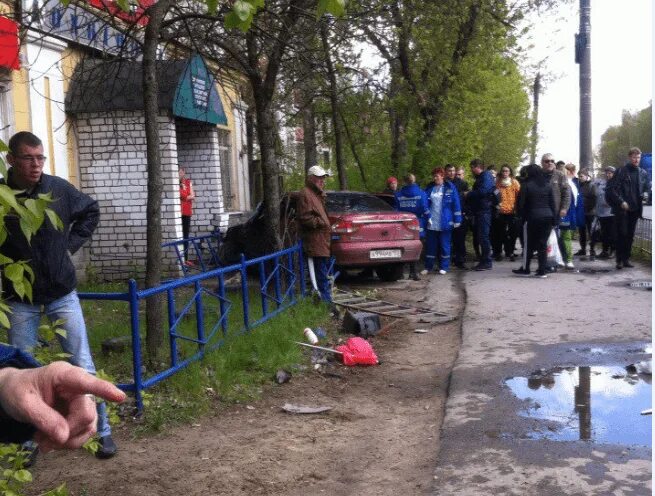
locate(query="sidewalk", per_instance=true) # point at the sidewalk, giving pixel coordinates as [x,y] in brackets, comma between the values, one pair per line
[513,326]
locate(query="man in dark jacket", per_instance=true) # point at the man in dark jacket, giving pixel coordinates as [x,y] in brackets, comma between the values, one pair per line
[48,255]
[625,193]
[459,233]
[314,228]
[480,200]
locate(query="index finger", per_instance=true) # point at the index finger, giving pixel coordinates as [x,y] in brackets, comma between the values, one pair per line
[78,381]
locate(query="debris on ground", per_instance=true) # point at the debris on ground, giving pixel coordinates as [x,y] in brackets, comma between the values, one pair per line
[303,409]
[420,331]
[357,351]
[282,376]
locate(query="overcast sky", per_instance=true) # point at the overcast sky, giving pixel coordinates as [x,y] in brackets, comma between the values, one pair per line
[622,70]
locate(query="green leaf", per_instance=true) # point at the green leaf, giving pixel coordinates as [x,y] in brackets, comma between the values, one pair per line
[28,289]
[243,10]
[232,21]
[335,7]
[29,272]
[8,197]
[19,288]
[5,260]
[3,168]
[14,272]
[4,320]
[124,5]
[26,227]
[3,147]
[212,5]
[54,219]
[23,476]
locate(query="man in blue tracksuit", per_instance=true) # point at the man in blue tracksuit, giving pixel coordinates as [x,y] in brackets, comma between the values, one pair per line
[411,198]
[481,201]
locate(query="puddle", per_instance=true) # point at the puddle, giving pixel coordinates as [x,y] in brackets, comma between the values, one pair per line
[600,404]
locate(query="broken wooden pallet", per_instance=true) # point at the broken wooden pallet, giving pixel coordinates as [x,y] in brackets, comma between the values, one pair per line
[365,304]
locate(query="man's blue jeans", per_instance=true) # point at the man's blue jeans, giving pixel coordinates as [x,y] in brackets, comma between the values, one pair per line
[321,267]
[23,334]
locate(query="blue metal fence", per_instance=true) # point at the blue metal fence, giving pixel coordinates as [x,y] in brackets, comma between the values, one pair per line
[281,281]
[203,251]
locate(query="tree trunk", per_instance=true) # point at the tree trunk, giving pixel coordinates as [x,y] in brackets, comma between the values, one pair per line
[308,124]
[254,166]
[535,119]
[396,124]
[334,104]
[269,166]
[154,321]
[354,151]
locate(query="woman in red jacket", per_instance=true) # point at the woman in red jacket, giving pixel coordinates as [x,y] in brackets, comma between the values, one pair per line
[186,199]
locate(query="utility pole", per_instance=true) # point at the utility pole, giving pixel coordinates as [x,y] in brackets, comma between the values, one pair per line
[536,89]
[583,57]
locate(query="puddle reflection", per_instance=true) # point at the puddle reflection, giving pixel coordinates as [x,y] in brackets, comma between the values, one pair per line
[602,404]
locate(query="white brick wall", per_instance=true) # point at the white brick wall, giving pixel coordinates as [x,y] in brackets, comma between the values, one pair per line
[112,160]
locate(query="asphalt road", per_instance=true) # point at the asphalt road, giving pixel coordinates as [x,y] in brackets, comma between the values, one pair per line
[513,326]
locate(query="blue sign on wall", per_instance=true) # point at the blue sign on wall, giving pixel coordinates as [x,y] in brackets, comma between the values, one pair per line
[196,97]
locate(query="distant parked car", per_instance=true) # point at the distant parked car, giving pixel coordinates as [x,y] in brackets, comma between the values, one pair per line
[366,232]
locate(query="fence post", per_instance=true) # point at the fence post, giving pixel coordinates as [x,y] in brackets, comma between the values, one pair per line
[221,293]
[278,298]
[200,316]
[263,288]
[136,343]
[301,263]
[289,277]
[171,320]
[244,293]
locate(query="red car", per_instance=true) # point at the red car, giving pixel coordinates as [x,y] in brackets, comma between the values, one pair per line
[367,232]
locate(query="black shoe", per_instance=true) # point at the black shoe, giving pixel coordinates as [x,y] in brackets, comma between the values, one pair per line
[512,258]
[30,456]
[604,255]
[581,253]
[521,272]
[541,275]
[498,258]
[414,277]
[619,265]
[627,265]
[551,269]
[107,448]
[460,266]
[482,267]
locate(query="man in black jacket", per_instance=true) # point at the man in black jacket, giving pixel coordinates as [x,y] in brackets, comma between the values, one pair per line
[48,256]
[459,233]
[625,193]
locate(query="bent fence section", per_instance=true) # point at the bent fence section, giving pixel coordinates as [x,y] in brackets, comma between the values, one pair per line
[281,277]
[643,235]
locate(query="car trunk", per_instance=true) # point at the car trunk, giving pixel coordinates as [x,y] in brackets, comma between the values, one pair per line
[383,226]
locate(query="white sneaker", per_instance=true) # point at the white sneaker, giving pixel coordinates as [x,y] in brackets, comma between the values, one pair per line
[569,265]
[424,272]
[443,272]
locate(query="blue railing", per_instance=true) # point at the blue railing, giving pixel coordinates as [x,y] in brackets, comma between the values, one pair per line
[281,281]
[203,251]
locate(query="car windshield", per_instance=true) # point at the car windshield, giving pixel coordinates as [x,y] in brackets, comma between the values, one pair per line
[355,202]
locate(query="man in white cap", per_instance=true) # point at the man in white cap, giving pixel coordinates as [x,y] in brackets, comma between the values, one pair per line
[314,227]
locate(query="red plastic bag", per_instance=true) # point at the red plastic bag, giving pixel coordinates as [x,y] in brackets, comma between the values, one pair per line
[357,351]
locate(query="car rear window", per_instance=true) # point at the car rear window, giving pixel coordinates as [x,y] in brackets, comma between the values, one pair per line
[357,202]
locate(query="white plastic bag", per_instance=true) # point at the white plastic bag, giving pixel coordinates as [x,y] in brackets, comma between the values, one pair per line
[554,256]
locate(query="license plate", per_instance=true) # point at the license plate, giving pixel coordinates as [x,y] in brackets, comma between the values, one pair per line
[377,254]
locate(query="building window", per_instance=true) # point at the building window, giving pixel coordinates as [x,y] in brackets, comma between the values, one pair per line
[225,157]
[5,106]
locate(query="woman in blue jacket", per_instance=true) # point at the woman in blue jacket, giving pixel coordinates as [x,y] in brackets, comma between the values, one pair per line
[445,215]
[573,219]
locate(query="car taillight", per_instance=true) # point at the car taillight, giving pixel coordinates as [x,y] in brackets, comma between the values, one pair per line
[344,227]
[412,224]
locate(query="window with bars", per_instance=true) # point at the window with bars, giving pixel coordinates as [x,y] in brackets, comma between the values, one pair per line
[225,157]
[5,107]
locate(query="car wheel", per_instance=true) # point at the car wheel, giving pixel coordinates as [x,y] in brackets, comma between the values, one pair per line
[390,273]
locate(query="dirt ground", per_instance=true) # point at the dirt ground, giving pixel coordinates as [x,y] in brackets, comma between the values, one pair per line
[380,438]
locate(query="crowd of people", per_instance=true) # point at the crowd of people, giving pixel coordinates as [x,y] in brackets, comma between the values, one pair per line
[542,208]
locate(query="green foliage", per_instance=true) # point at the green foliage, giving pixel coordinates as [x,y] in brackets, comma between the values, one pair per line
[14,476]
[635,130]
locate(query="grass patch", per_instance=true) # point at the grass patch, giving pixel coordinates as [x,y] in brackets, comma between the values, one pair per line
[235,372]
